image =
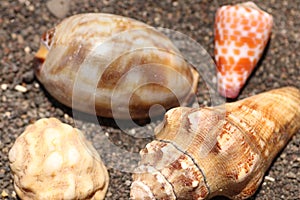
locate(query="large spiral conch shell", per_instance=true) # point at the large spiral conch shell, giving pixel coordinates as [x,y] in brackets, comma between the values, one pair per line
[200,153]
[114,66]
[241,33]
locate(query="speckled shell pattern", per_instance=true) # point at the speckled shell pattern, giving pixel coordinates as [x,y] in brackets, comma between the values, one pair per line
[98,61]
[242,32]
[200,153]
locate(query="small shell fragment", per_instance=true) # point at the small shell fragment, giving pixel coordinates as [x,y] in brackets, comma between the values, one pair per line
[20,88]
[241,33]
[52,160]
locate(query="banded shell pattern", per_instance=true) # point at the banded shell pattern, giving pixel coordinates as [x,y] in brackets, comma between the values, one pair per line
[114,66]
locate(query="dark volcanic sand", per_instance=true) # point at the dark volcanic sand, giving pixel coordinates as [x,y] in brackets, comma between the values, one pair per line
[22,23]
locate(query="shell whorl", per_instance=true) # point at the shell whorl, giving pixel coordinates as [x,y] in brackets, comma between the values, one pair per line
[205,152]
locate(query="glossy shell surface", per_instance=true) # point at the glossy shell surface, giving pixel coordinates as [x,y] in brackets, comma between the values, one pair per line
[242,32]
[113,66]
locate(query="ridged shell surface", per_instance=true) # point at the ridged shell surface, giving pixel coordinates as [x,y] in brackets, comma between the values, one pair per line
[52,160]
[113,65]
[200,153]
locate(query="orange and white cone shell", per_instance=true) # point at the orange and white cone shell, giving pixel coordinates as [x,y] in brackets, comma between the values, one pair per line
[241,33]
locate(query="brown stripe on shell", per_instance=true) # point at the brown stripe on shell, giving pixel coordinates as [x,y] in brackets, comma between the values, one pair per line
[162,61]
[71,60]
[124,24]
[137,104]
[91,26]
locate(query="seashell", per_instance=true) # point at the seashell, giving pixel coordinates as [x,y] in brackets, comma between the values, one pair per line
[52,160]
[113,65]
[200,153]
[241,33]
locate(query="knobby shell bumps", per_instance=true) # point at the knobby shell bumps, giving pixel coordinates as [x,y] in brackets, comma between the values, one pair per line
[52,160]
[200,153]
[241,34]
[114,66]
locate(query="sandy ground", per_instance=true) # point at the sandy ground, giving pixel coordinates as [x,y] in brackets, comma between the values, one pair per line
[23,22]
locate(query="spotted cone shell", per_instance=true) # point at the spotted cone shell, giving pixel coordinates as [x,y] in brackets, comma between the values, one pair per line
[241,34]
[114,66]
[200,153]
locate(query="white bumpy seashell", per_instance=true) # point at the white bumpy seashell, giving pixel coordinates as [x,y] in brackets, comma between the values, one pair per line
[200,153]
[52,160]
[113,66]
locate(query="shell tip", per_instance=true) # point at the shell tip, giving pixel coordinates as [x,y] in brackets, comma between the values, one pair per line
[230,93]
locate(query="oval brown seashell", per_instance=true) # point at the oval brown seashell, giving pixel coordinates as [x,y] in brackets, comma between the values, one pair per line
[113,66]
[200,153]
